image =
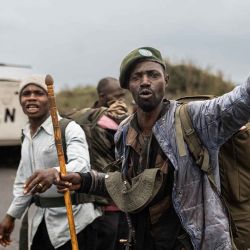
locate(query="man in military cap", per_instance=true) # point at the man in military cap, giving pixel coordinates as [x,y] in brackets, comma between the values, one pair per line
[169,199]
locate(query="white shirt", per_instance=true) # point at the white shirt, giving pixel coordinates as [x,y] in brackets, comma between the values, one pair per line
[39,152]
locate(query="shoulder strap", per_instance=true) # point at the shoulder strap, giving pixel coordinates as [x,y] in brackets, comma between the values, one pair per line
[97,115]
[88,116]
[63,123]
[186,132]
[22,136]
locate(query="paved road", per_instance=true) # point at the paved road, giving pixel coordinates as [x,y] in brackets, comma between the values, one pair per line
[7,176]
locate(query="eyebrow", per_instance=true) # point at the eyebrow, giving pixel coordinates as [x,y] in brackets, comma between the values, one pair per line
[149,70]
[35,91]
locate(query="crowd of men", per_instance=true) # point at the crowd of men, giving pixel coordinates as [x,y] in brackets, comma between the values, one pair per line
[157,198]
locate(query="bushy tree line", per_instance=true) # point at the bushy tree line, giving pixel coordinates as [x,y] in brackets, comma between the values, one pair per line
[185,79]
[188,79]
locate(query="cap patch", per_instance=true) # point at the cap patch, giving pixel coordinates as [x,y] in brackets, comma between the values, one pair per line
[145,52]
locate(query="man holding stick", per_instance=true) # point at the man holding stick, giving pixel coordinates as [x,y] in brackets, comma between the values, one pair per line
[170,200]
[50,228]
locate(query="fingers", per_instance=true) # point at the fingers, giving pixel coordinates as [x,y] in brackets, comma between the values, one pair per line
[73,177]
[66,178]
[61,189]
[30,179]
[30,183]
[32,186]
[57,176]
[57,179]
[63,184]
[45,188]
[5,240]
[39,188]
[41,180]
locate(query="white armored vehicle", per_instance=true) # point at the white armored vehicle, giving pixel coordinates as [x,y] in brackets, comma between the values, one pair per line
[12,118]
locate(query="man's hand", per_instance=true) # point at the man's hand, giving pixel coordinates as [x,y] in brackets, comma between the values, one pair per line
[41,180]
[6,228]
[71,181]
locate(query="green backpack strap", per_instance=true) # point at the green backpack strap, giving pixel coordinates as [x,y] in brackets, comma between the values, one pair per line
[63,123]
[97,115]
[88,116]
[22,136]
[186,132]
[81,117]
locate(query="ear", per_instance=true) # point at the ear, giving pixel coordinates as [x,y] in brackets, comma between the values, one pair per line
[101,99]
[166,79]
[101,96]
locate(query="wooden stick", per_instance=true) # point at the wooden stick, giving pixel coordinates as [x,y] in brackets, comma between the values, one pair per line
[58,141]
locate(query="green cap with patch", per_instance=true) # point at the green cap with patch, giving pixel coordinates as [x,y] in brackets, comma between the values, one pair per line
[135,56]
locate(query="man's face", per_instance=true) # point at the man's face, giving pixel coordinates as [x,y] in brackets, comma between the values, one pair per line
[34,102]
[147,84]
[113,92]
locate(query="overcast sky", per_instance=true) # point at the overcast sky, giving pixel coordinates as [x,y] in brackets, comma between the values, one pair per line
[79,42]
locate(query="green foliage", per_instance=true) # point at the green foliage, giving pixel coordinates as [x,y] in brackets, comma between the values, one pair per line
[185,79]
[76,98]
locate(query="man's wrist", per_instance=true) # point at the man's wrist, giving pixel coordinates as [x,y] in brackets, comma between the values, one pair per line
[86,181]
[10,218]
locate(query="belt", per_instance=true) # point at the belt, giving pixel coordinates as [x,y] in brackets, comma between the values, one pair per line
[76,199]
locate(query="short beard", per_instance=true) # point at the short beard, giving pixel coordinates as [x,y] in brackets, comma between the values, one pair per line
[147,107]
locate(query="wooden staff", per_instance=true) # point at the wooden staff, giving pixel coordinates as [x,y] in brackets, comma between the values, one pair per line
[58,141]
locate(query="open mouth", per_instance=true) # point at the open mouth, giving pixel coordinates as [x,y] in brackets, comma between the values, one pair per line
[145,93]
[32,108]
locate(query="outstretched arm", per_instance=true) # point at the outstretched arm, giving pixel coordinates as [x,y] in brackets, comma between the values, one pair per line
[217,120]
[91,182]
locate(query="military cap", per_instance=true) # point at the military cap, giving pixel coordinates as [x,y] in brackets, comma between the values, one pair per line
[138,55]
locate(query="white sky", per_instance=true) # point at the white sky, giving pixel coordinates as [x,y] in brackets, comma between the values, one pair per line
[79,41]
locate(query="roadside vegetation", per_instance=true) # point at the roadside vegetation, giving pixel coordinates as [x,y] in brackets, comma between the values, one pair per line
[185,79]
